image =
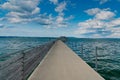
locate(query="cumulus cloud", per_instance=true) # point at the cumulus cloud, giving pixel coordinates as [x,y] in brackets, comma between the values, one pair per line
[60,20]
[103,14]
[44,19]
[25,11]
[57,22]
[102,1]
[21,11]
[103,24]
[84,31]
[92,23]
[54,1]
[21,5]
[61,7]
[93,11]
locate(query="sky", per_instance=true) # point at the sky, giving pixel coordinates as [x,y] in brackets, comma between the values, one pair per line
[54,18]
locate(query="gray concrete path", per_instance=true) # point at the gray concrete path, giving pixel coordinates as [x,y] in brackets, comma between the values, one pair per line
[61,63]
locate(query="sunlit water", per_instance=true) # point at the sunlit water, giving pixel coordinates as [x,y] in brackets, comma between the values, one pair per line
[108,55]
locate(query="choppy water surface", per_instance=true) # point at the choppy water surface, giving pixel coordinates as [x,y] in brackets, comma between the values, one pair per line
[9,45]
[108,55]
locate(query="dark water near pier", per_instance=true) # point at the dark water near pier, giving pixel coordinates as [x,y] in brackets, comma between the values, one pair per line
[108,56]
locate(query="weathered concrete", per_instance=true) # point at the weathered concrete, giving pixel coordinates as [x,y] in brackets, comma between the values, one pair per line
[61,63]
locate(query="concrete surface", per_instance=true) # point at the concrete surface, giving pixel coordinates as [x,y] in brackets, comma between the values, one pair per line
[61,63]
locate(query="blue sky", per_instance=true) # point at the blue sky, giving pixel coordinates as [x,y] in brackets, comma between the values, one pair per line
[73,18]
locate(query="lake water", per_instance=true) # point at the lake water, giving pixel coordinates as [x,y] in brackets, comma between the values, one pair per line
[10,45]
[108,52]
[108,55]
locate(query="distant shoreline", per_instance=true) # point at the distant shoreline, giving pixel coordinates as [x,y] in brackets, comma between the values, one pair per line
[50,37]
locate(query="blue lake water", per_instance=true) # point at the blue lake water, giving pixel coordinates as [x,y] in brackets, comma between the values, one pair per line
[10,45]
[108,55]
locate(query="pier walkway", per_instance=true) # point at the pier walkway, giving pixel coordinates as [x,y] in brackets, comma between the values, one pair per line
[61,63]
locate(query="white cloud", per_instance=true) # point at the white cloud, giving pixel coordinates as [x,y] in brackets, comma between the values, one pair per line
[54,1]
[59,19]
[21,5]
[115,22]
[36,10]
[103,1]
[57,22]
[98,24]
[105,15]
[115,35]
[82,30]
[69,18]
[60,7]
[93,11]
[101,14]
[21,11]
[44,20]
[92,23]
[10,6]
[24,11]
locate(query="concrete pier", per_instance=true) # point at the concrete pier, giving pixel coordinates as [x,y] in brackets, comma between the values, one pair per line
[61,63]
